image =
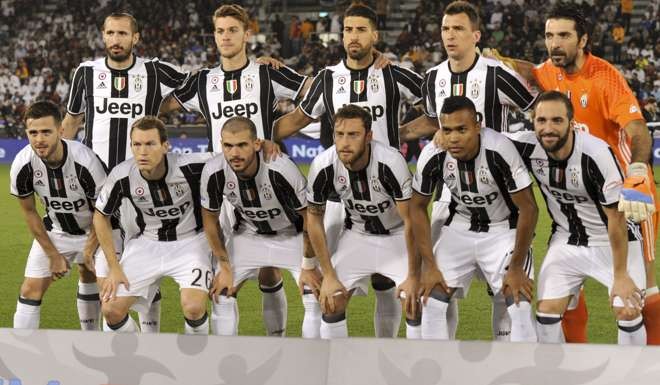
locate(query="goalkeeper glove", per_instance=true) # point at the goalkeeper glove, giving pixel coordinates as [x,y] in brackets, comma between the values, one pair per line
[636,200]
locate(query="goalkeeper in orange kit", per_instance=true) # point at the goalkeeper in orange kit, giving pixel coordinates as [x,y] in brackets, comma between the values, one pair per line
[605,107]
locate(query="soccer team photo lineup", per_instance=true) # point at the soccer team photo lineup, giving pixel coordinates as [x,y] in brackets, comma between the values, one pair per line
[506,146]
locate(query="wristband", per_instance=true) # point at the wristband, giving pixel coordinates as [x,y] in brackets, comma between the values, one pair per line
[309,263]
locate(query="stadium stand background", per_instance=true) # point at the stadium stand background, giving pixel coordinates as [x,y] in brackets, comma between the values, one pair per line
[43,41]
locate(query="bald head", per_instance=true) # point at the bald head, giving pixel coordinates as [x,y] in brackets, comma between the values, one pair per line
[239,124]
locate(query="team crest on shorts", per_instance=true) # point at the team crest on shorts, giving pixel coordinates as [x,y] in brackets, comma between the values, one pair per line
[119,83]
[358,86]
[373,83]
[232,85]
[249,83]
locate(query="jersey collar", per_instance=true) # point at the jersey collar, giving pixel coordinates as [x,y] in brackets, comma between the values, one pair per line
[122,70]
[236,71]
[474,63]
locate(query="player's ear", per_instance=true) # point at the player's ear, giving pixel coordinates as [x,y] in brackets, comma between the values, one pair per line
[136,38]
[258,143]
[369,136]
[583,41]
[477,35]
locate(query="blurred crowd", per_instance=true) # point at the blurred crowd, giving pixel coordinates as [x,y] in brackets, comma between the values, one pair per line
[37,61]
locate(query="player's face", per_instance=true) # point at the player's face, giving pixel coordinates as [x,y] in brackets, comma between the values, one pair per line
[561,40]
[148,150]
[551,125]
[240,149]
[359,37]
[119,38]
[230,36]
[460,134]
[351,140]
[43,135]
[458,37]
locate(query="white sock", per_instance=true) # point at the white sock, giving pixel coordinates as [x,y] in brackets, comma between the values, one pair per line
[199,326]
[89,305]
[434,320]
[334,329]
[523,328]
[387,313]
[150,321]
[548,328]
[274,307]
[413,329]
[452,318]
[311,326]
[225,317]
[632,332]
[128,325]
[500,321]
[28,313]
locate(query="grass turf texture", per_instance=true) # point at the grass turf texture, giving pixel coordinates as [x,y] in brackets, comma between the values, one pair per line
[59,305]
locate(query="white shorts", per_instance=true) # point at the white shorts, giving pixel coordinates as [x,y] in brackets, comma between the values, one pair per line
[462,254]
[565,268]
[100,262]
[70,246]
[360,255]
[254,251]
[145,262]
[333,221]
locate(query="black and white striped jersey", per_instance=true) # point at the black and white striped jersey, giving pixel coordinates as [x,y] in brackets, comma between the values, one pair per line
[113,99]
[369,195]
[576,189]
[167,209]
[265,204]
[67,192]
[381,92]
[251,91]
[493,88]
[480,188]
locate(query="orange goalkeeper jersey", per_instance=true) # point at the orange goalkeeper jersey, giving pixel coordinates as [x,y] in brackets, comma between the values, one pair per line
[601,98]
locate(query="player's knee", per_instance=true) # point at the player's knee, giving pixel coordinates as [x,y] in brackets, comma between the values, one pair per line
[441,295]
[622,315]
[335,317]
[33,288]
[269,276]
[86,275]
[550,307]
[113,312]
[193,308]
[381,282]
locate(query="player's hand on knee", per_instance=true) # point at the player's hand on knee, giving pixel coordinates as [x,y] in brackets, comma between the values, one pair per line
[636,199]
[115,278]
[59,267]
[311,279]
[267,60]
[330,287]
[631,296]
[516,282]
[271,150]
[408,292]
[431,278]
[223,284]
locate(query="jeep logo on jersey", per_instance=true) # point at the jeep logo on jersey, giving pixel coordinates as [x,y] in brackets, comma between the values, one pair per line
[232,85]
[261,214]
[377,208]
[168,212]
[55,204]
[567,197]
[132,110]
[246,110]
[119,83]
[478,200]
[375,111]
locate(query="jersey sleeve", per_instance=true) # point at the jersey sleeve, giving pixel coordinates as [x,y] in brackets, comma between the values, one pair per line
[188,94]
[290,183]
[524,141]
[320,180]
[428,173]
[212,185]
[512,89]
[313,105]
[170,77]
[20,176]
[92,175]
[620,104]
[409,83]
[112,192]
[286,82]
[76,102]
[511,166]
[606,175]
[396,178]
[428,94]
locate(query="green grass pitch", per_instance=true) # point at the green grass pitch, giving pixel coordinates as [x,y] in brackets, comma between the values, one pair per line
[59,305]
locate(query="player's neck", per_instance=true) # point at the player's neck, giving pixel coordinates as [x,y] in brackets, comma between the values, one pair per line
[157,172]
[566,150]
[120,65]
[360,64]
[234,63]
[580,59]
[463,64]
[56,159]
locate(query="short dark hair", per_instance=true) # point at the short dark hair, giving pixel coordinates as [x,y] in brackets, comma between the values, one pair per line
[458,7]
[457,103]
[240,123]
[572,11]
[122,15]
[233,10]
[362,10]
[351,111]
[43,109]
[150,122]
[557,96]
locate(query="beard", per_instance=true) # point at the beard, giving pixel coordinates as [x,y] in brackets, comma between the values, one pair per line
[120,57]
[567,61]
[359,54]
[561,141]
